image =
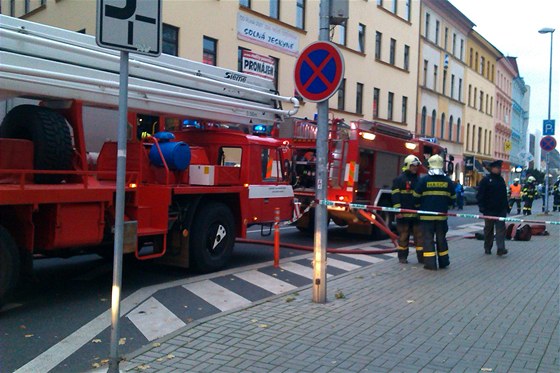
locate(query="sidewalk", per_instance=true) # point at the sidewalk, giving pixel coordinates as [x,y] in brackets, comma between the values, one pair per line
[483,313]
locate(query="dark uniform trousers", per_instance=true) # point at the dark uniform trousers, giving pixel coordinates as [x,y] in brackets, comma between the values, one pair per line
[406,227]
[515,201]
[439,228]
[489,225]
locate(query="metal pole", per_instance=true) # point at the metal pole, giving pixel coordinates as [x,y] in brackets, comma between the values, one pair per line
[547,154]
[320,238]
[119,214]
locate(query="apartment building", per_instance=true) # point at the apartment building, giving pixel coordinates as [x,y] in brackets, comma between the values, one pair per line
[379,44]
[480,76]
[441,85]
[505,73]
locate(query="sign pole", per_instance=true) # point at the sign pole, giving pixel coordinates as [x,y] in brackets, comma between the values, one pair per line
[320,236]
[545,201]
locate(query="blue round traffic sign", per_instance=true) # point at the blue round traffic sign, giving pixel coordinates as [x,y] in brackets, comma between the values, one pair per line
[319,71]
[548,143]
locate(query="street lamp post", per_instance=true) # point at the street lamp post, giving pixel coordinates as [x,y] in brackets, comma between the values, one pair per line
[548,30]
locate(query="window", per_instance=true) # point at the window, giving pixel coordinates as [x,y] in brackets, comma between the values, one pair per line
[276,70]
[435,78]
[395,6]
[462,50]
[375,103]
[390,106]
[454,43]
[379,2]
[378,39]
[404,109]
[460,93]
[300,14]
[209,51]
[437,32]
[240,58]
[425,72]
[470,91]
[481,100]
[468,135]
[451,93]
[478,148]
[406,57]
[476,61]
[481,66]
[492,108]
[341,93]
[474,98]
[230,156]
[392,51]
[450,132]
[245,3]
[470,58]
[275,9]
[170,40]
[342,35]
[459,130]
[444,85]
[407,10]
[434,115]
[427,27]
[423,122]
[442,125]
[485,141]
[359,97]
[361,38]
[487,112]
[445,37]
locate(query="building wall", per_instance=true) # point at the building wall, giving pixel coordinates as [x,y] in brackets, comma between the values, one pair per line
[505,73]
[518,131]
[219,20]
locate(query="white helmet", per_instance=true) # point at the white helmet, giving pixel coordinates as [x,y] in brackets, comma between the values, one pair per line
[531,179]
[516,180]
[435,162]
[411,160]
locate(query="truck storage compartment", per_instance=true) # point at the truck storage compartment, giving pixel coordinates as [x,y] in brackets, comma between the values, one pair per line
[15,154]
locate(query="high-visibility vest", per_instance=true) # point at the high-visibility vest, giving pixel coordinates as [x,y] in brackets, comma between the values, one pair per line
[515,190]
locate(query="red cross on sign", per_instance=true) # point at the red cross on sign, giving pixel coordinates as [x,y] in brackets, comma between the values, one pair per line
[548,143]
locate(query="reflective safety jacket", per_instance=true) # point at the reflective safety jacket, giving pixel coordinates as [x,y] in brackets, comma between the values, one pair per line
[434,193]
[402,190]
[514,191]
[529,192]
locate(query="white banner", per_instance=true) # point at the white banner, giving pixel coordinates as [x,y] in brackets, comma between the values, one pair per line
[259,65]
[267,34]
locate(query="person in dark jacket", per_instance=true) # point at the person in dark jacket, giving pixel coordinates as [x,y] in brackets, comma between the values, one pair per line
[492,201]
[407,223]
[529,193]
[435,192]
[556,195]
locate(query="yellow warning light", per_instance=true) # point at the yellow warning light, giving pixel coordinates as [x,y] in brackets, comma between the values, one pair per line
[367,136]
[255,218]
[132,185]
[246,185]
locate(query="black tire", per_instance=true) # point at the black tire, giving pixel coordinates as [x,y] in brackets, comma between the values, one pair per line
[50,133]
[212,237]
[9,265]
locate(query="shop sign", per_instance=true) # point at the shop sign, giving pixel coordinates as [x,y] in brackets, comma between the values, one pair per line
[259,65]
[267,34]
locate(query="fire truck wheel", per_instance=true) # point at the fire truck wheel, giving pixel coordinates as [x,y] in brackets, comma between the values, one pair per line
[9,264]
[213,237]
[50,133]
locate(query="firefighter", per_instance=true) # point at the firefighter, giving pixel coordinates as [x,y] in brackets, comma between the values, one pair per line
[492,201]
[402,196]
[435,192]
[514,195]
[556,195]
[529,193]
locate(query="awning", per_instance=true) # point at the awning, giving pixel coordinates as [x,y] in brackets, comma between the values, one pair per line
[480,168]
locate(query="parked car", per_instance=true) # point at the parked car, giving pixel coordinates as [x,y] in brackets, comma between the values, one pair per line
[470,195]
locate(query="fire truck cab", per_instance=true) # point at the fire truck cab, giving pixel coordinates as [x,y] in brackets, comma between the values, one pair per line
[363,159]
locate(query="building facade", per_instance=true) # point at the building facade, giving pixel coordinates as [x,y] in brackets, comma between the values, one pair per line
[505,73]
[379,43]
[519,121]
[479,112]
[441,97]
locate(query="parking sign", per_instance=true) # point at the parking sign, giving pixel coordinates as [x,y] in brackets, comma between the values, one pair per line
[133,26]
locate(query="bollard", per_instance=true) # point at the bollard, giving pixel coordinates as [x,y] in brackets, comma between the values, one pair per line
[276,237]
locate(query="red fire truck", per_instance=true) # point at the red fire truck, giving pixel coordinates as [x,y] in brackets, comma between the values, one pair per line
[196,174]
[363,159]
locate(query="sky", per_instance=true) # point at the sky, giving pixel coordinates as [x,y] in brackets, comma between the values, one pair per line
[512,26]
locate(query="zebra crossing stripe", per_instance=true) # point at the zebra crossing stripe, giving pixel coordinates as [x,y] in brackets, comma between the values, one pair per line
[154,320]
[364,258]
[218,296]
[342,265]
[266,282]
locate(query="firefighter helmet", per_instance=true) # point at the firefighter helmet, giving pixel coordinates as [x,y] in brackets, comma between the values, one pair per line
[531,179]
[411,160]
[435,162]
